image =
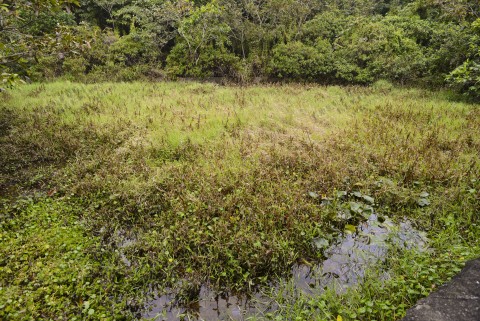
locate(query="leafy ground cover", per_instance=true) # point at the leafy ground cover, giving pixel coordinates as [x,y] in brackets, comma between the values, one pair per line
[110,190]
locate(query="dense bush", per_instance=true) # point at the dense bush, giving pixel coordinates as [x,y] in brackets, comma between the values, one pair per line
[201,48]
[379,50]
[207,62]
[335,41]
[296,60]
[467,76]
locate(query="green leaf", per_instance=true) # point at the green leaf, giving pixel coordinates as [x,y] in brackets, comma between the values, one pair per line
[424,194]
[344,215]
[368,199]
[357,194]
[423,202]
[341,194]
[355,207]
[350,229]
[313,195]
[320,243]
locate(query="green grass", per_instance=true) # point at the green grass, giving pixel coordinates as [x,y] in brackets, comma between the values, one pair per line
[51,268]
[213,183]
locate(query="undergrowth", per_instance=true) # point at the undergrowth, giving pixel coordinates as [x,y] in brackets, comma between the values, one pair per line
[214,185]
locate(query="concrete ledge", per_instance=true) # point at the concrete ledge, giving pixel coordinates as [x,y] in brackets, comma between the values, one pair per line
[458,300]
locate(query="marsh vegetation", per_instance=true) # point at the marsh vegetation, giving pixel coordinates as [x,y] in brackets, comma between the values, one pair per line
[113,193]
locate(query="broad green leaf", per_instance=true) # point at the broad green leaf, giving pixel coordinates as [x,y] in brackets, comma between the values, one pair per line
[369,199]
[350,229]
[423,202]
[313,195]
[320,243]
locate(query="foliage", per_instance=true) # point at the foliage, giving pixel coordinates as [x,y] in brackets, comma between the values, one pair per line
[337,41]
[29,28]
[379,50]
[50,266]
[202,47]
[296,61]
[227,186]
[466,77]
[413,275]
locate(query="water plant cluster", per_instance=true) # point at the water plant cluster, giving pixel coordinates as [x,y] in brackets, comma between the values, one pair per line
[110,192]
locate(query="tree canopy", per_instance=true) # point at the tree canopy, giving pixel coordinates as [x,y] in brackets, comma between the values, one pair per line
[425,42]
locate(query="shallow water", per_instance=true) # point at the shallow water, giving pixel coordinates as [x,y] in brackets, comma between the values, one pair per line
[210,306]
[352,255]
[346,263]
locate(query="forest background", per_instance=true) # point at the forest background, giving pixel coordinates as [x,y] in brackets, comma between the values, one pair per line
[427,43]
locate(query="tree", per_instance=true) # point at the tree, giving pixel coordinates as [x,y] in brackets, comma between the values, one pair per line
[466,77]
[19,46]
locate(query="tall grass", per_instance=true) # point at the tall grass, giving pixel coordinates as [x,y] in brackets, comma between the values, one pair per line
[214,182]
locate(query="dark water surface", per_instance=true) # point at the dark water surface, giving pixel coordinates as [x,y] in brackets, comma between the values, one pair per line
[346,263]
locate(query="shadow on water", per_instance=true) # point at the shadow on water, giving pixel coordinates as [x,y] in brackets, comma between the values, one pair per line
[209,306]
[347,261]
[352,255]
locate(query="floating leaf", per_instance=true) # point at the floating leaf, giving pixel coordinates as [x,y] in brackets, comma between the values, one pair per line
[341,194]
[326,200]
[313,195]
[424,194]
[350,229]
[355,207]
[368,199]
[367,211]
[344,215]
[320,243]
[423,202]
[357,194]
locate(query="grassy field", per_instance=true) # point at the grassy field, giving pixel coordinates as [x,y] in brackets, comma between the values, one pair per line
[224,185]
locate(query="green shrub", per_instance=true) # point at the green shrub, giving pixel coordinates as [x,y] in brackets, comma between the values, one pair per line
[74,68]
[210,61]
[296,60]
[117,72]
[132,49]
[47,67]
[327,25]
[375,49]
[466,77]
[45,22]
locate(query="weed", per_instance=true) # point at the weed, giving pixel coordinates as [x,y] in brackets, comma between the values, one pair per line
[216,183]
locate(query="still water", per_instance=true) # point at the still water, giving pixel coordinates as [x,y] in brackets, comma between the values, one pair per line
[346,263]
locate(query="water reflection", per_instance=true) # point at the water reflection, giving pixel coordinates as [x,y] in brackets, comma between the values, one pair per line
[209,306]
[352,255]
[347,261]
